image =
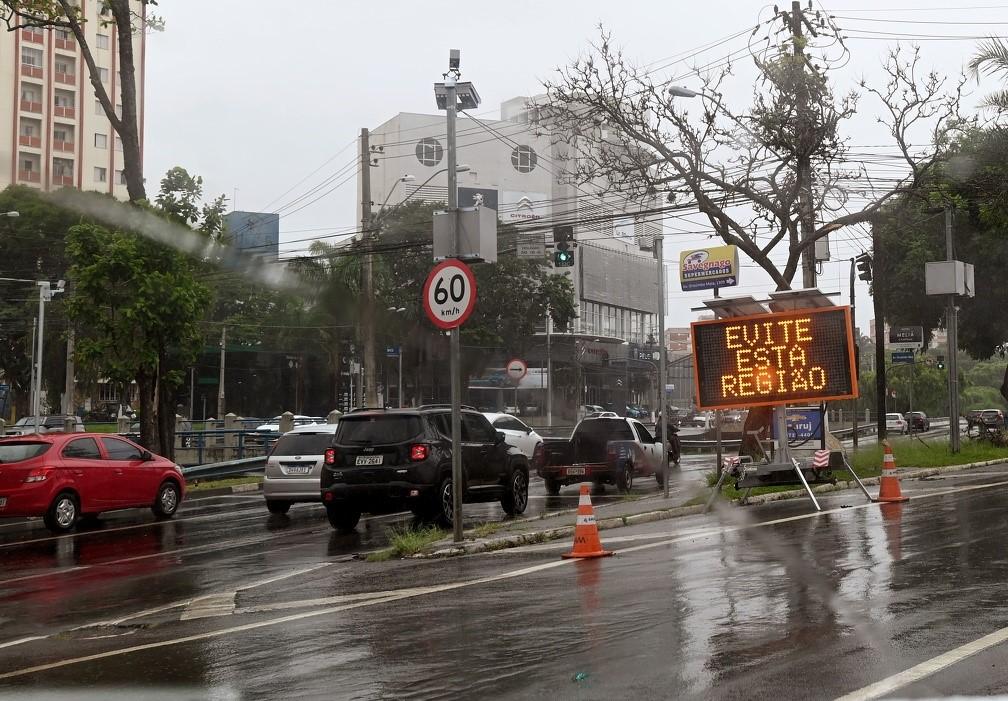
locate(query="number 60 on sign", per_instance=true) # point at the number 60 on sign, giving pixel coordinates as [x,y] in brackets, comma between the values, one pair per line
[449,295]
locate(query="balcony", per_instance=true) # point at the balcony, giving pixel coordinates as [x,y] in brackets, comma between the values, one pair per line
[65,44]
[28,140]
[29,176]
[70,112]
[31,71]
[63,180]
[32,34]
[68,78]
[67,146]
[29,106]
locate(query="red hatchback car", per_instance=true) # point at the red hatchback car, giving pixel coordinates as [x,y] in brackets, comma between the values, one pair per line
[65,476]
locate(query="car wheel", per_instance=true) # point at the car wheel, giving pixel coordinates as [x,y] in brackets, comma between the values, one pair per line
[277,506]
[552,486]
[445,504]
[343,519]
[624,480]
[167,501]
[62,514]
[515,497]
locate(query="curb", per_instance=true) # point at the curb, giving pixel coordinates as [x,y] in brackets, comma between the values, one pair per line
[535,537]
[223,491]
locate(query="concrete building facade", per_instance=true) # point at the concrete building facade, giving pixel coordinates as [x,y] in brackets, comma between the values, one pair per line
[53,131]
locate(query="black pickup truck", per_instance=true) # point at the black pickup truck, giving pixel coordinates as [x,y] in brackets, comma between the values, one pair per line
[601,450]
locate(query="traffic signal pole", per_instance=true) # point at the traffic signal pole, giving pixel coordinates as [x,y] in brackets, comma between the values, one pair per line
[455,349]
[857,356]
[662,357]
[952,330]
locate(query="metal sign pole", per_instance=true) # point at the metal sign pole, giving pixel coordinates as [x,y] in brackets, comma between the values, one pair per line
[662,357]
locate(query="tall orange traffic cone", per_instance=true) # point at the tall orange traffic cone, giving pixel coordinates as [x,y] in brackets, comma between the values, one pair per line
[889,485]
[586,538]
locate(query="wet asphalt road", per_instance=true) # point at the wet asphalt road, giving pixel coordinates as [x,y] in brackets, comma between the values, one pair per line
[758,602]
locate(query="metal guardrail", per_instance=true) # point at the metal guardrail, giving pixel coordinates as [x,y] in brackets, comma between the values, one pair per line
[226,469]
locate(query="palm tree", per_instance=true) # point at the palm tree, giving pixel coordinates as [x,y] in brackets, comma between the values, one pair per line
[991,58]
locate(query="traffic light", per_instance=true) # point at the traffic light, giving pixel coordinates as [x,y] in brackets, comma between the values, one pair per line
[941,362]
[864,266]
[563,256]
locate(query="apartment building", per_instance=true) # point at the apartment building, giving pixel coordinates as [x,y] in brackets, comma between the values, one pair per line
[53,131]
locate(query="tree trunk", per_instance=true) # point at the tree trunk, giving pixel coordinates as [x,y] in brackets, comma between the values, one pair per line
[149,437]
[129,130]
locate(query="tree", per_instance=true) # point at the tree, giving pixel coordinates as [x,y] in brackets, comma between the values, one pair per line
[776,173]
[67,14]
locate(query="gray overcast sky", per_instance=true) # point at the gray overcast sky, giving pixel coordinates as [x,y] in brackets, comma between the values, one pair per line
[254,98]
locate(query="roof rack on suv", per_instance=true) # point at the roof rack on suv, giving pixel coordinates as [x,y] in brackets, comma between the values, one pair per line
[369,408]
[445,406]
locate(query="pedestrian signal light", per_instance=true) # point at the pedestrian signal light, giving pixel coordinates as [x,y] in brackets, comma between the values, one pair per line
[563,259]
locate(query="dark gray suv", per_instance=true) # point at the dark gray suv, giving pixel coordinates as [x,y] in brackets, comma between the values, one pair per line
[383,460]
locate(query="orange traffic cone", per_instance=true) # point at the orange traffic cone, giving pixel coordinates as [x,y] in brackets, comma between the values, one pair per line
[889,486]
[586,538]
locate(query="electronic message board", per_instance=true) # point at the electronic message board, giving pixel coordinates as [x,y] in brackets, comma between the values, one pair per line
[779,358]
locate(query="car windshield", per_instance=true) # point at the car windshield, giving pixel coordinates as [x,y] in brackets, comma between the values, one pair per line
[893,417]
[16,452]
[303,444]
[27,421]
[378,429]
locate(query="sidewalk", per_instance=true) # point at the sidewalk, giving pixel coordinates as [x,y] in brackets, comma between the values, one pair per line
[560,524]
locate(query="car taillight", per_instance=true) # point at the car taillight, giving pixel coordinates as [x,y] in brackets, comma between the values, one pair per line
[37,475]
[418,451]
[330,456]
[538,454]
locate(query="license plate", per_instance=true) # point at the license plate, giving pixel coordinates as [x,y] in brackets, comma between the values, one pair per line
[575,471]
[298,469]
[3,502]
[369,460]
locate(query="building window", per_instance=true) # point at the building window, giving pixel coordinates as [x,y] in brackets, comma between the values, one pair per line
[429,151]
[100,141]
[118,144]
[118,111]
[62,100]
[102,41]
[64,35]
[99,174]
[61,135]
[98,109]
[27,129]
[524,159]
[29,94]
[27,165]
[62,168]
[103,75]
[31,57]
[64,67]
[121,177]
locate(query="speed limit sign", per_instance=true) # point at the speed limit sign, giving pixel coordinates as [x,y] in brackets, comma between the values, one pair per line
[449,295]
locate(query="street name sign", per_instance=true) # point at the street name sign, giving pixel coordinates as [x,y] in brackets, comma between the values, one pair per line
[905,357]
[449,295]
[769,359]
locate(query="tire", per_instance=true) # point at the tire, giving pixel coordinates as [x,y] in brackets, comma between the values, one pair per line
[342,518]
[624,480]
[444,506]
[552,486]
[515,498]
[167,501]
[63,513]
[278,506]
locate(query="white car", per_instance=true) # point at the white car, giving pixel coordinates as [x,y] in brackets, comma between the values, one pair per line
[516,432]
[895,423]
[273,425]
[294,466]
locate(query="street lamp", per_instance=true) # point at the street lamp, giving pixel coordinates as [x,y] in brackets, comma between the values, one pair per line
[462,168]
[403,179]
[399,310]
[46,293]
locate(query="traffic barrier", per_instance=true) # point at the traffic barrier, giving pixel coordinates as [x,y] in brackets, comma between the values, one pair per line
[586,537]
[889,485]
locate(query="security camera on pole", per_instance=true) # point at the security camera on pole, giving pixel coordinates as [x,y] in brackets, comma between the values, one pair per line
[449,295]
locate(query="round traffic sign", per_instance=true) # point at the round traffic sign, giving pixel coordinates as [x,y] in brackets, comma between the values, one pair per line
[516,369]
[449,295]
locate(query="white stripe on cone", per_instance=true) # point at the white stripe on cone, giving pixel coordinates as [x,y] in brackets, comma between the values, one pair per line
[584,500]
[588,520]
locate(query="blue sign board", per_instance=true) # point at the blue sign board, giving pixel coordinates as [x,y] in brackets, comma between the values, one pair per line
[391,351]
[903,356]
[804,423]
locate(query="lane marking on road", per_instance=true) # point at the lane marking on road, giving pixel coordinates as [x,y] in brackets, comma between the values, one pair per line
[22,641]
[421,591]
[927,668]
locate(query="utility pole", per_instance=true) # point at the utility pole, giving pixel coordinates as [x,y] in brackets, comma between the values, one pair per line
[659,242]
[220,381]
[952,330]
[69,385]
[804,167]
[451,107]
[857,356]
[549,371]
[370,394]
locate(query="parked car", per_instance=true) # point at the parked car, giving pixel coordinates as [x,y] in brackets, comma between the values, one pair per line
[294,466]
[385,459]
[64,476]
[917,421]
[896,423]
[994,418]
[516,432]
[604,450]
[47,424]
[273,425]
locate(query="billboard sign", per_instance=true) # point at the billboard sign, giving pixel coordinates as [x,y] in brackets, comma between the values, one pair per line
[804,423]
[707,268]
[907,336]
[779,358]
